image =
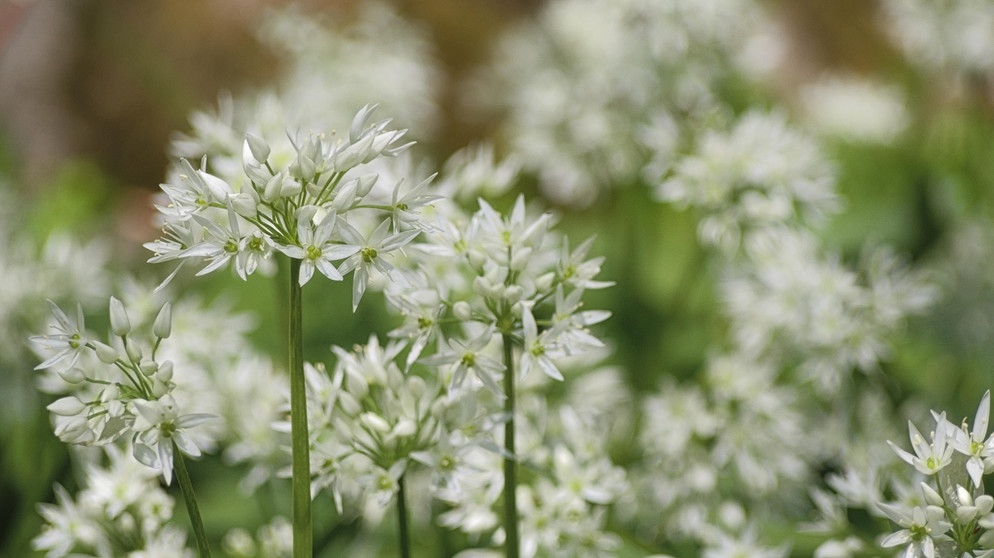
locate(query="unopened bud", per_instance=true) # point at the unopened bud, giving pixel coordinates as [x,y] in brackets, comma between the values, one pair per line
[73,375]
[163,321]
[258,147]
[245,205]
[119,322]
[148,367]
[67,407]
[462,311]
[365,184]
[106,353]
[133,349]
[165,371]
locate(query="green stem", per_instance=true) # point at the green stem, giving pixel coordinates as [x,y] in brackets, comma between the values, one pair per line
[186,487]
[405,536]
[300,444]
[510,461]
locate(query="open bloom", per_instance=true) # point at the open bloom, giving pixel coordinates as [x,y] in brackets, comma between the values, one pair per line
[157,427]
[928,458]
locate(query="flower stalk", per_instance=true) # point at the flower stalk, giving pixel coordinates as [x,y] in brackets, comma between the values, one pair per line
[403,529]
[186,487]
[301,466]
[510,460]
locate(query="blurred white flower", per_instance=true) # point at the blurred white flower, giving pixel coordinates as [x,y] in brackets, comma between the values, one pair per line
[854,109]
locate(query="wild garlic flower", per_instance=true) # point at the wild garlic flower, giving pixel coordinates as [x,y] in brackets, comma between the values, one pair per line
[121,510]
[367,421]
[307,207]
[788,297]
[921,528]
[124,392]
[498,276]
[762,173]
[953,515]
[930,456]
[854,109]
[578,79]
[380,58]
[944,36]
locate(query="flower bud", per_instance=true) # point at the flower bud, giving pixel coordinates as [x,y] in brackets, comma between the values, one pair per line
[106,353]
[374,422]
[365,183]
[165,372]
[513,293]
[163,321]
[462,311]
[218,188]
[244,204]
[148,367]
[350,406]
[543,283]
[273,189]
[931,496]
[119,322]
[405,427]
[258,146]
[73,375]
[67,407]
[133,349]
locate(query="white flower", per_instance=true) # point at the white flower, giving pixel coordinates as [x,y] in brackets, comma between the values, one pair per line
[465,357]
[370,254]
[928,458]
[920,528]
[539,348]
[317,249]
[69,341]
[974,443]
[157,427]
[855,109]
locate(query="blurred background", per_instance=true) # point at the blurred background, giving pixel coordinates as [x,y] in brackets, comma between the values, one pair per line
[93,92]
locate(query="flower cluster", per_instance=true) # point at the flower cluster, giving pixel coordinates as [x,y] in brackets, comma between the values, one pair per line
[120,389]
[325,79]
[949,36]
[761,173]
[807,306]
[592,87]
[951,515]
[121,511]
[314,202]
[368,420]
[498,276]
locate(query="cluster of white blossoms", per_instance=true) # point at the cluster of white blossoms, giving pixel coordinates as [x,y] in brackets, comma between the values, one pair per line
[761,173]
[579,81]
[949,513]
[946,36]
[854,109]
[121,511]
[328,73]
[795,301]
[120,389]
[317,203]
[368,421]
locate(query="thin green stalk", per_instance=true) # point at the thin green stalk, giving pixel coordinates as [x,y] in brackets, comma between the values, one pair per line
[300,444]
[405,536]
[186,487]
[510,461]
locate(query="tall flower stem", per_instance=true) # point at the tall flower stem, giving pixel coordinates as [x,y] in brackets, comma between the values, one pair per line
[300,444]
[186,487]
[510,460]
[402,527]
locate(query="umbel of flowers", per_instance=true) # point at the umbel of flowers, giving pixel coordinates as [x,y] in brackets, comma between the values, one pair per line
[313,199]
[949,514]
